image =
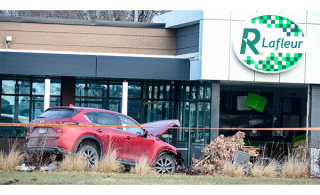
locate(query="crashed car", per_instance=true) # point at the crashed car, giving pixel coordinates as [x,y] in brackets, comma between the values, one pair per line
[94,142]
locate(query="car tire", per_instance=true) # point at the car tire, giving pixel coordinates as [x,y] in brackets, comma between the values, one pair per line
[165,164]
[90,154]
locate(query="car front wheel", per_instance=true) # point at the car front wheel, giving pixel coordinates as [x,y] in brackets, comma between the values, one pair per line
[165,164]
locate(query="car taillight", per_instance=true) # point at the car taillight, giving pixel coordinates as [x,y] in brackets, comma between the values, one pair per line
[28,133]
[67,123]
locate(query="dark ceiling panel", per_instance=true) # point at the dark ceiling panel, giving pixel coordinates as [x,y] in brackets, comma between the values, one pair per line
[142,68]
[47,64]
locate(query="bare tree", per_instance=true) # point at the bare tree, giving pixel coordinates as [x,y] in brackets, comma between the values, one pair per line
[111,15]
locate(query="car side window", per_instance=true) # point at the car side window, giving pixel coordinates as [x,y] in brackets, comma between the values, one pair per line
[128,122]
[106,119]
[102,118]
[92,117]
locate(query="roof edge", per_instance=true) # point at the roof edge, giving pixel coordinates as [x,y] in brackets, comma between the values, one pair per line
[82,22]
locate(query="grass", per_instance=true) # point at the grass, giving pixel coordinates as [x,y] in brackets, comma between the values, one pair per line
[73,162]
[11,160]
[109,163]
[91,178]
[260,169]
[294,167]
[232,169]
[142,166]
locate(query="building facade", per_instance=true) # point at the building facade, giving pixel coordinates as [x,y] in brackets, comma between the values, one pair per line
[184,65]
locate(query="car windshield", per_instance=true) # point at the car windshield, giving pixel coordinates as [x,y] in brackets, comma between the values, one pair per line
[58,113]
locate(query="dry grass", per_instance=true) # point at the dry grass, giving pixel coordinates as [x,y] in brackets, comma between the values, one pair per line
[109,163]
[232,169]
[11,160]
[257,169]
[142,166]
[260,169]
[73,162]
[294,167]
[271,169]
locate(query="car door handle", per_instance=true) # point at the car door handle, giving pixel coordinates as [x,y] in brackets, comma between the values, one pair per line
[99,130]
[128,138]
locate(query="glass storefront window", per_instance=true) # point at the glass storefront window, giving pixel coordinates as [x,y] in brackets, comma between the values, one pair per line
[134,91]
[115,89]
[134,109]
[115,105]
[19,86]
[91,90]
[208,90]
[91,103]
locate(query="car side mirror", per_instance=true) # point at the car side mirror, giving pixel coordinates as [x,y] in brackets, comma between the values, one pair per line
[145,133]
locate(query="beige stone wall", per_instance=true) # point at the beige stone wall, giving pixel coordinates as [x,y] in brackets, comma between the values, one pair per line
[83,38]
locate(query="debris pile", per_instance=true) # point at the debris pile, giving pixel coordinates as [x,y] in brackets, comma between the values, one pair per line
[218,153]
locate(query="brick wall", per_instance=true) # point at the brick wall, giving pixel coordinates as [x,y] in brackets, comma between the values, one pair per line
[84,38]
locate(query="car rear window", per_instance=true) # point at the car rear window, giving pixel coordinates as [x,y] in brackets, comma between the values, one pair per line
[58,113]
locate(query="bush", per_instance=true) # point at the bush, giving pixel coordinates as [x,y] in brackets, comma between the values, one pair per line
[109,163]
[73,162]
[261,169]
[142,166]
[232,169]
[294,167]
[11,160]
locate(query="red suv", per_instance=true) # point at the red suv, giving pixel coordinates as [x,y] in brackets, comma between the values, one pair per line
[93,142]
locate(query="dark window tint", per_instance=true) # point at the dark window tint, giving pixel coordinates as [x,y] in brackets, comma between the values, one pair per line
[102,118]
[58,113]
[106,119]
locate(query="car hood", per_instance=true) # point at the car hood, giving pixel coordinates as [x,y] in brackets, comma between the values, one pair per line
[163,125]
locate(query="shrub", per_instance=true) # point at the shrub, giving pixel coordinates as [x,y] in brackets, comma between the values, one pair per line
[232,169]
[109,163]
[294,167]
[73,162]
[257,169]
[142,166]
[271,169]
[11,160]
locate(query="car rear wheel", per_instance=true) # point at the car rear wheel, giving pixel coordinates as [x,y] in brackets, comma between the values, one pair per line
[90,154]
[165,164]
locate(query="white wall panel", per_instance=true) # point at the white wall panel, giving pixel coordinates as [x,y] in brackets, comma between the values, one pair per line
[189,15]
[297,16]
[243,14]
[297,73]
[313,16]
[183,17]
[268,12]
[214,55]
[177,17]
[264,77]
[237,70]
[313,54]
[216,14]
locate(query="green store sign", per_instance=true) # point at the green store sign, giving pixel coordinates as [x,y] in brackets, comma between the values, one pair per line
[270,44]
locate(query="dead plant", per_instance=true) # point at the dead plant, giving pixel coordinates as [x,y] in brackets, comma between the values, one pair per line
[142,166]
[232,169]
[219,152]
[73,162]
[270,170]
[11,160]
[261,169]
[294,167]
[109,163]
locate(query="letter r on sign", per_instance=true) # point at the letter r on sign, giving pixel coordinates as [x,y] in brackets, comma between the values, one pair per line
[246,41]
